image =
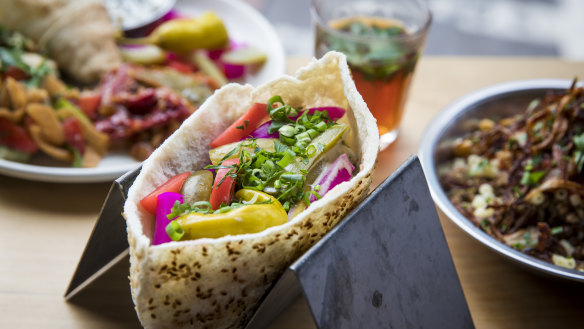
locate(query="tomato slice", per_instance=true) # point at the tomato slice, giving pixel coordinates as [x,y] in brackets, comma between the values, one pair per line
[180,66]
[172,185]
[16,73]
[74,134]
[243,126]
[223,193]
[15,137]
[89,102]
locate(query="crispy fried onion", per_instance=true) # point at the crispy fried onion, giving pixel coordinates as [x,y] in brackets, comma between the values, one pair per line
[554,184]
[559,113]
[58,153]
[96,139]
[46,118]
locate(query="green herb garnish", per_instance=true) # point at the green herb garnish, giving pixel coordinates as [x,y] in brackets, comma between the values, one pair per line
[557,230]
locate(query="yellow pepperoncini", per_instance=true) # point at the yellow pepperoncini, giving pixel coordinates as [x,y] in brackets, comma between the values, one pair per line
[260,212]
[186,34]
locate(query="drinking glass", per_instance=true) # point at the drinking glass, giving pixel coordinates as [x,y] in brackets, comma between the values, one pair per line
[383,40]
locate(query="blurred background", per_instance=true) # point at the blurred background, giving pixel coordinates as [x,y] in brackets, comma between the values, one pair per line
[463,27]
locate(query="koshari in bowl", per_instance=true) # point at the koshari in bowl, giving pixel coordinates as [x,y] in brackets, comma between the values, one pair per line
[520,178]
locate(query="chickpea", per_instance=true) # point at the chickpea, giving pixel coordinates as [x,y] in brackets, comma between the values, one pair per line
[575,200]
[486,124]
[462,147]
[538,199]
[561,195]
[572,218]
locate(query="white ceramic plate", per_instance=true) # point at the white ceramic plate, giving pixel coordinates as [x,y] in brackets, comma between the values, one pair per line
[244,24]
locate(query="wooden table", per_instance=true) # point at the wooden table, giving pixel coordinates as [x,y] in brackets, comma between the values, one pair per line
[44,228]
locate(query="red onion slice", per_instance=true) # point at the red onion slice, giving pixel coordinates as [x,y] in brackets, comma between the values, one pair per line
[334,112]
[262,131]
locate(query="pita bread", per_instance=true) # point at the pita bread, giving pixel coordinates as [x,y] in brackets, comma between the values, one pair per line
[218,283]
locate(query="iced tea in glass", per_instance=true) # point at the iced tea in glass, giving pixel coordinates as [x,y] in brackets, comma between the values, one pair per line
[382,40]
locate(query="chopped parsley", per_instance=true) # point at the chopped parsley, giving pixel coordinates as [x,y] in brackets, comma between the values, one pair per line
[485,225]
[13,46]
[517,192]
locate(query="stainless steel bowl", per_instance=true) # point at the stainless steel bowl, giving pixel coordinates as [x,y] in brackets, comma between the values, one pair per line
[500,100]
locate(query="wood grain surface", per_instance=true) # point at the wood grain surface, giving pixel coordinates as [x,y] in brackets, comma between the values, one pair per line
[44,228]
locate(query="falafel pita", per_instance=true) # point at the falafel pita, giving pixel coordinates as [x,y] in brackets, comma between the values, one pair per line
[204,279]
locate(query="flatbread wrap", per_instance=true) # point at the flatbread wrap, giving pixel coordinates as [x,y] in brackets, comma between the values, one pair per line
[219,282]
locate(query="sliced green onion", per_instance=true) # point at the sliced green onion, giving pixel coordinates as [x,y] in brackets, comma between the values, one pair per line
[258,173]
[312,133]
[299,129]
[310,151]
[306,198]
[174,230]
[321,126]
[223,210]
[292,177]
[280,114]
[315,194]
[301,145]
[557,230]
[200,204]
[287,140]
[292,112]
[177,209]
[257,183]
[287,131]
[272,100]
[305,140]
[288,157]
[303,135]
[277,184]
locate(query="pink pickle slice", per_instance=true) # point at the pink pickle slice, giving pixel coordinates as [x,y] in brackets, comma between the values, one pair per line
[341,170]
[166,201]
